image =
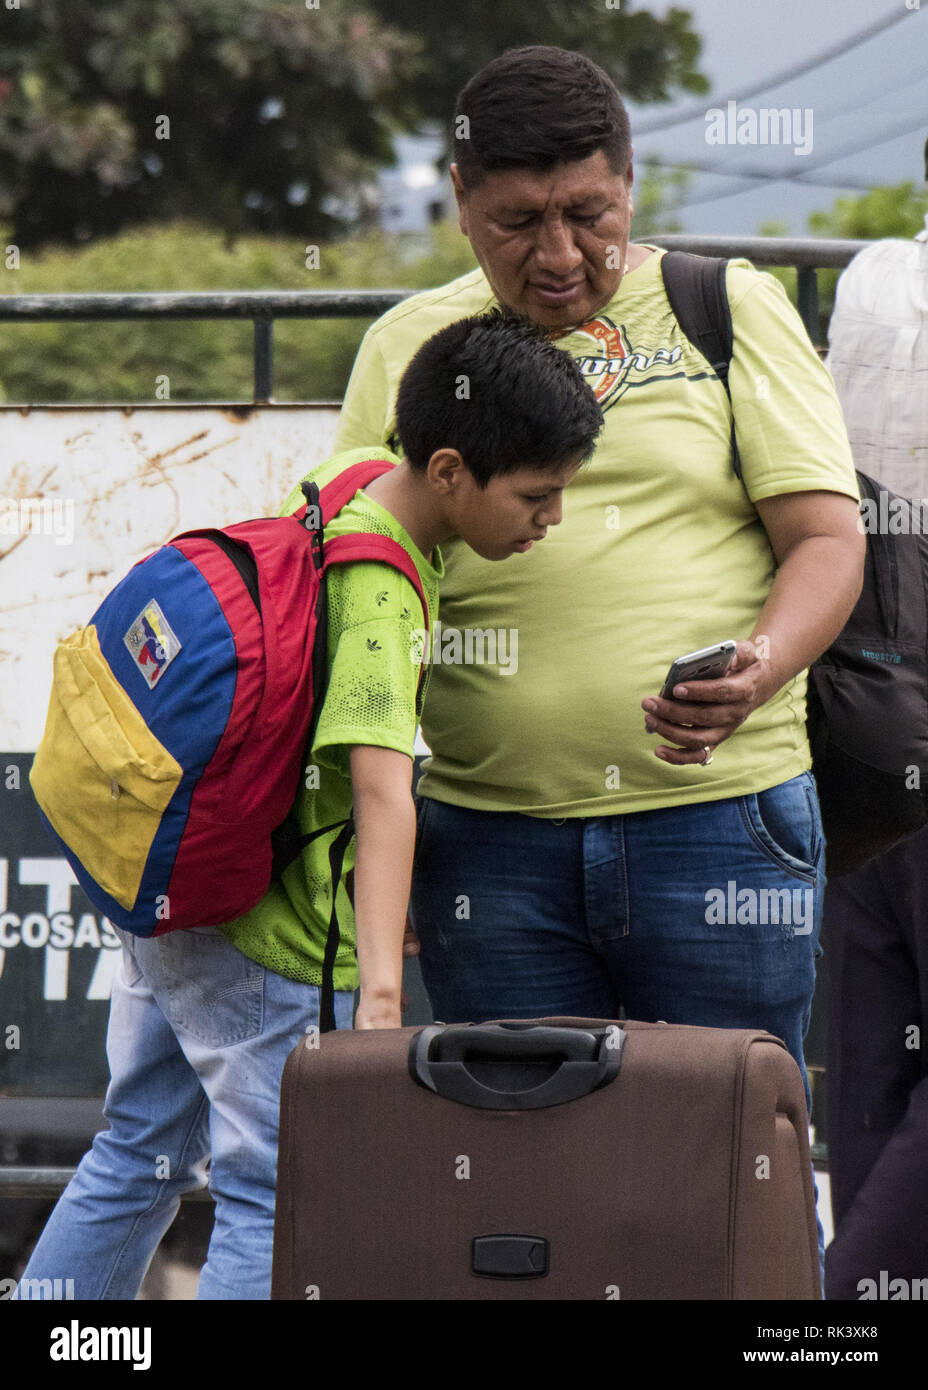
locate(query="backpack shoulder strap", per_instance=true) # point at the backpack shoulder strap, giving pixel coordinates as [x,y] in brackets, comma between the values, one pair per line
[342,550]
[360,545]
[695,286]
[696,289]
[333,495]
[340,490]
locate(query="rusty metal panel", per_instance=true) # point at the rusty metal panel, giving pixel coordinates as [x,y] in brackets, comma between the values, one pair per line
[85,492]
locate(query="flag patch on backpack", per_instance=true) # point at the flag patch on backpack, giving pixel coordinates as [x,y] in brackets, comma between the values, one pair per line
[152,643]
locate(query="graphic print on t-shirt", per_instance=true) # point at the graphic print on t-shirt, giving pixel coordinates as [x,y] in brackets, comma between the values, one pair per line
[608,370]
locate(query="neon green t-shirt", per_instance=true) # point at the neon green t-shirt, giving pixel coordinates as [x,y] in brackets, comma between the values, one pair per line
[374,645]
[661,551]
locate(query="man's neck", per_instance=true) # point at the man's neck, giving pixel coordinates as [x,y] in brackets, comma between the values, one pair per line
[636,255]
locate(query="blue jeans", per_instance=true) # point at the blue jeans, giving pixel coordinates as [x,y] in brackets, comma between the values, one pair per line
[665,914]
[197,1040]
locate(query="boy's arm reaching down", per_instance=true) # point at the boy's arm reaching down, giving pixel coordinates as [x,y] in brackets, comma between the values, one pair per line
[385,833]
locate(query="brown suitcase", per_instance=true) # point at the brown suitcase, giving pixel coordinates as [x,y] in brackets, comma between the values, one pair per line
[556,1159]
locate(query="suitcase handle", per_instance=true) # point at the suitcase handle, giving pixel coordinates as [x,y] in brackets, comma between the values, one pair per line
[510,1056]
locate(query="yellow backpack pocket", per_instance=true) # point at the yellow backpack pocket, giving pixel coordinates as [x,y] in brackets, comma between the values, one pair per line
[100,775]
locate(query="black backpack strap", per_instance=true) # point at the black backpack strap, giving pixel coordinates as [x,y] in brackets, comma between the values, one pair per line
[288,843]
[327,1001]
[696,289]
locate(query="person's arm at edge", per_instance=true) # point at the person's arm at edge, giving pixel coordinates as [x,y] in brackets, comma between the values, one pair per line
[385,833]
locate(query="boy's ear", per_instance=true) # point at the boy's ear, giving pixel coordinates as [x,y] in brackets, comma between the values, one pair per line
[445,470]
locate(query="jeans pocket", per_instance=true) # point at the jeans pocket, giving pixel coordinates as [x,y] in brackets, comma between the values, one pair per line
[785,822]
[209,989]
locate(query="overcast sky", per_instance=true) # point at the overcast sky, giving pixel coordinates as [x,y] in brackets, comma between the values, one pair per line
[866,110]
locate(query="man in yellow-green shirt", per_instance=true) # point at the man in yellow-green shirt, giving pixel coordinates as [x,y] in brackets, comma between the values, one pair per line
[585,846]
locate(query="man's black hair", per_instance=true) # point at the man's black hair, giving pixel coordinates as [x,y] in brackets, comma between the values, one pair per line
[536,108]
[495,388]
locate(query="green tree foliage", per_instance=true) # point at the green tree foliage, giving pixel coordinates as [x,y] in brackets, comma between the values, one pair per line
[883,212]
[245,115]
[646,57]
[261,115]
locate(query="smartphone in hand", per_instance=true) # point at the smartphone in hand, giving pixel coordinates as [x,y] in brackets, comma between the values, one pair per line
[707,664]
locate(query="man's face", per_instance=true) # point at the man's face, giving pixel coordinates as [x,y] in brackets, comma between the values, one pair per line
[552,245]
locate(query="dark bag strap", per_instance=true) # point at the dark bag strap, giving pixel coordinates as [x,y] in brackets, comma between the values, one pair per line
[336,858]
[698,296]
[286,848]
[289,843]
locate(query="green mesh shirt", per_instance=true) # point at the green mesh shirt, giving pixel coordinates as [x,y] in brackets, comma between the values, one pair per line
[374,646]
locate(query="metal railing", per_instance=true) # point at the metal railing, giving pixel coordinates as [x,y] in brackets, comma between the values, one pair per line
[807,255]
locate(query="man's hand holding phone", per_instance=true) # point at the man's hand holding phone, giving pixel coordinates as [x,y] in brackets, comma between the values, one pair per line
[696,713]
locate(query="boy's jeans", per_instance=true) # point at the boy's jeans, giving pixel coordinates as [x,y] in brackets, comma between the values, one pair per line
[523,917]
[197,1040]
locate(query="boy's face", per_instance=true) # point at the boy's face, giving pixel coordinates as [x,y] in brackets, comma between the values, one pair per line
[512,512]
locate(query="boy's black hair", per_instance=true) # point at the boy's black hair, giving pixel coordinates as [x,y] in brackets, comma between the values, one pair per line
[497,389]
[536,108]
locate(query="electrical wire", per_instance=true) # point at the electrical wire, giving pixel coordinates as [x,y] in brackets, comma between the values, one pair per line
[777,79]
[867,98]
[775,176]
